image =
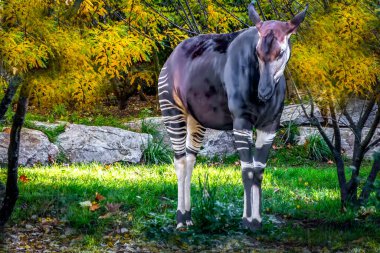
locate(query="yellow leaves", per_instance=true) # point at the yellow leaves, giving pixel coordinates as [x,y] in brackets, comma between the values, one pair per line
[114,51]
[334,56]
[90,8]
[22,55]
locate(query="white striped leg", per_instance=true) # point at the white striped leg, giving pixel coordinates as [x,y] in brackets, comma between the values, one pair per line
[176,128]
[243,142]
[195,134]
[180,168]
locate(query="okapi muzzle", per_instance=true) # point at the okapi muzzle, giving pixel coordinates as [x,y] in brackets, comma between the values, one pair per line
[266,82]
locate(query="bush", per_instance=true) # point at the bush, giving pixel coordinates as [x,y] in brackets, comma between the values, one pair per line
[150,128]
[288,134]
[211,215]
[157,152]
[317,148]
[60,111]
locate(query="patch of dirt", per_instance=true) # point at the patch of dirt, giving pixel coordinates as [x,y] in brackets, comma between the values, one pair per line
[52,235]
[135,108]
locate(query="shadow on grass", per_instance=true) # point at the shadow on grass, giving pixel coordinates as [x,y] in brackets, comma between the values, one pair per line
[308,212]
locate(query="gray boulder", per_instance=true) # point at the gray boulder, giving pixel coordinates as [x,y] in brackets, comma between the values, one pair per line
[104,144]
[347,137]
[35,148]
[295,114]
[355,108]
[216,143]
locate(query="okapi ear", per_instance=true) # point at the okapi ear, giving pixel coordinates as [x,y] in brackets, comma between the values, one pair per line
[254,16]
[297,20]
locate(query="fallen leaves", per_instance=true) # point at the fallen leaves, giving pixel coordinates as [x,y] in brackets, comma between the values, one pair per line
[99,197]
[113,207]
[94,206]
[23,178]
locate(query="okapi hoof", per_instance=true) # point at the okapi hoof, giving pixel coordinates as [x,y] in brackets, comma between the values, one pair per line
[253,225]
[184,219]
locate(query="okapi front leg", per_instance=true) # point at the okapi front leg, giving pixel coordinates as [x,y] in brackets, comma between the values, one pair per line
[243,142]
[262,147]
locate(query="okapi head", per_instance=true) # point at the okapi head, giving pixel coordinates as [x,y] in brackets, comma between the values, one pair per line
[273,49]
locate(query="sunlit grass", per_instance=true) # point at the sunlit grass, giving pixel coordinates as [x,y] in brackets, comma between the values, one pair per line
[148,197]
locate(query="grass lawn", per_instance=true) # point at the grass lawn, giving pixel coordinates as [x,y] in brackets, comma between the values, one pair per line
[301,210]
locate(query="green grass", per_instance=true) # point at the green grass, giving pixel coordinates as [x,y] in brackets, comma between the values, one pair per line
[90,120]
[299,195]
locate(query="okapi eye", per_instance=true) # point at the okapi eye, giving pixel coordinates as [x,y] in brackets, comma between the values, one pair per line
[281,53]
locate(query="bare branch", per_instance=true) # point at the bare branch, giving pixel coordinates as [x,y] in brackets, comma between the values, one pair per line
[338,141]
[368,187]
[186,16]
[261,10]
[363,119]
[274,9]
[168,20]
[234,16]
[372,129]
[192,16]
[313,120]
[371,145]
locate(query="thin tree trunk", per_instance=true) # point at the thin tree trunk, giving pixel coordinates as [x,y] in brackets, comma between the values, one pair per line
[368,187]
[11,192]
[9,94]
[336,153]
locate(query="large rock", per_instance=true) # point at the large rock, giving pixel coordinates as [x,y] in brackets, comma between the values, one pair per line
[295,114]
[347,137]
[355,108]
[216,143]
[35,148]
[105,144]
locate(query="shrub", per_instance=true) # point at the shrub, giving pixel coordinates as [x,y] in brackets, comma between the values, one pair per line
[288,134]
[59,111]
[211,215]
[317,148]
[157,152]
[149,127]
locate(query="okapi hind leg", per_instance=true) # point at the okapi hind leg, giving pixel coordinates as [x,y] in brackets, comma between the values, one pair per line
[176,128]
[195,134]
[175,122]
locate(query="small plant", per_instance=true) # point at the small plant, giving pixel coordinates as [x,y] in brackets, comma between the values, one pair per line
[149,127]
[210,215]
[317,148]
[61,158]
[51,133]
[157,152]
[59,111]
[146,112]
[288,134]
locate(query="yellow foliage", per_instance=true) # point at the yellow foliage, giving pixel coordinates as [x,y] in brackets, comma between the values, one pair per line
[334,58]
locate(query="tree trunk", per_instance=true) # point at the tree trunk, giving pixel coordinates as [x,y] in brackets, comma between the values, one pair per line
[11,192]
[8,97]
[368,187]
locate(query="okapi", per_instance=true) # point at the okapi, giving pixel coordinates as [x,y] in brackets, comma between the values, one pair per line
[231,81]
